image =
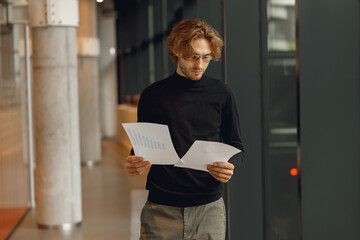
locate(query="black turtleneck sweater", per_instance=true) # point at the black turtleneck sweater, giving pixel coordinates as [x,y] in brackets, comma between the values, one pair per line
[194,110]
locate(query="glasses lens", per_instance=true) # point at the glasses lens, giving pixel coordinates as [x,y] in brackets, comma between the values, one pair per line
[206,58]
[196,57]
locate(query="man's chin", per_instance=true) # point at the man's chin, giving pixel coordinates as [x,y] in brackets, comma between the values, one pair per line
[196,77]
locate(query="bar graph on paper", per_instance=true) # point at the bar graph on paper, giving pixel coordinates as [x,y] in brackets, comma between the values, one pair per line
[143,141]
[159,149]
[152,141]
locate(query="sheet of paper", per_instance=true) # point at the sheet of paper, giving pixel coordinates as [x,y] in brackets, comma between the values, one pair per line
[152,142]
[202,153]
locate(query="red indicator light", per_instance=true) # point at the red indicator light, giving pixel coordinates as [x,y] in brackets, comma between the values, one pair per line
[293,172]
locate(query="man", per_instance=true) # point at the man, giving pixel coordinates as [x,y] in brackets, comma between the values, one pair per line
[185,203]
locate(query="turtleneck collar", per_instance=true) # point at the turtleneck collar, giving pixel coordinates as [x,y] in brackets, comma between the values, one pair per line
[184,81]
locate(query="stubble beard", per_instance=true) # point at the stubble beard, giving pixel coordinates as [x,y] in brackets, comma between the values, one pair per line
[188,72]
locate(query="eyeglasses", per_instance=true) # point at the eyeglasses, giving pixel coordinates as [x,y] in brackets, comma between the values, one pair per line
[205,58]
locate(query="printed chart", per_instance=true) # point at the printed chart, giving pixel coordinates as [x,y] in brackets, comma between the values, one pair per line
[147,142]
[153,142]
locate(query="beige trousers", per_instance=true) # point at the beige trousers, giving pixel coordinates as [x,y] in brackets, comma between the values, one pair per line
[204,222]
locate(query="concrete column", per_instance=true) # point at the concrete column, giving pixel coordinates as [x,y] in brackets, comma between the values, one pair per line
[58,187]
[56,113]
[108,75]
[88,71]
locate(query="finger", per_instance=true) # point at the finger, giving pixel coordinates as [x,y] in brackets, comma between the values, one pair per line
[135,165]
[223,180]
[129,158]
[134,158]
[221,175]
[140,164]
[226,165]
[136,170]
[218,170]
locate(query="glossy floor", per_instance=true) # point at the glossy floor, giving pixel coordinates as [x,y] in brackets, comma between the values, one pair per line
[111,199]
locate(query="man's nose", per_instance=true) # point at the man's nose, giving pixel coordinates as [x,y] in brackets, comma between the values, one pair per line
[199,62]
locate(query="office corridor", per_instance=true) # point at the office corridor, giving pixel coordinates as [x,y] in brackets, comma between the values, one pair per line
[111,199]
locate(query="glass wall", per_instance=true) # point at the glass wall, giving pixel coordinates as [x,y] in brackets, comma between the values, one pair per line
[280,115]
[14,161]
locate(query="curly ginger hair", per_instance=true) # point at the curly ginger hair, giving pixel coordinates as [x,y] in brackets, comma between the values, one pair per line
[180,40]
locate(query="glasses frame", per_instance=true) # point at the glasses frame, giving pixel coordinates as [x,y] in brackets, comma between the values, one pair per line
[205,58]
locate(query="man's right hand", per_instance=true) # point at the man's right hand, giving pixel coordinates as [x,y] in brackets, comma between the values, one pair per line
[136,165]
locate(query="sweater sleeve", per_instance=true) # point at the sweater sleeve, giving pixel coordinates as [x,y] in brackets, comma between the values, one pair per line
[143,112]
[230,129]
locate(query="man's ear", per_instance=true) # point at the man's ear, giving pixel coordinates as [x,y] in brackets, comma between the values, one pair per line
[178,57]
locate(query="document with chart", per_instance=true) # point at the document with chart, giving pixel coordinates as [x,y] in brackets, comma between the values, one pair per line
[153,142]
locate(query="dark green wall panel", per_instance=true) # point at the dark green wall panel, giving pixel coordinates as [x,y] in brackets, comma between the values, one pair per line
[189,9]
[243,77]
[330,119]
[212,12]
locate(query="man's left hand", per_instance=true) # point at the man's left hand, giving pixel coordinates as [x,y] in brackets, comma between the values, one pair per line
[222,171]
